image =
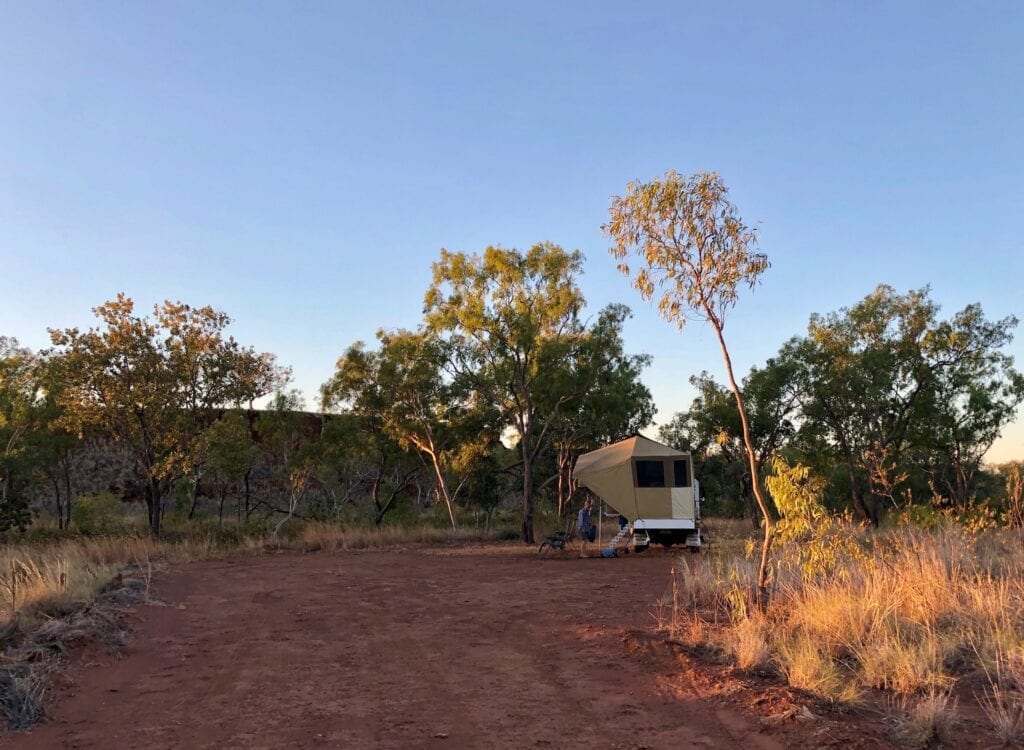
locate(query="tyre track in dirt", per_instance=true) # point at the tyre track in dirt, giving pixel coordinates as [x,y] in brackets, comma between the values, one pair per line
[425,648]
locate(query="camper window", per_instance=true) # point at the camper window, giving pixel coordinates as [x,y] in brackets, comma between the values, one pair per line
[650,474]
[682,475]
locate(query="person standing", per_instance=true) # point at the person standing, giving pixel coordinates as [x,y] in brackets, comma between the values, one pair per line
[585,527]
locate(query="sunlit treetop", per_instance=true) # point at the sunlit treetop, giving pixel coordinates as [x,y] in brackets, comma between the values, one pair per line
[695,250]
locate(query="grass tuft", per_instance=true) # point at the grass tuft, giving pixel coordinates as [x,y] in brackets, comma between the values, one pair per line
[924,721]
[23,687]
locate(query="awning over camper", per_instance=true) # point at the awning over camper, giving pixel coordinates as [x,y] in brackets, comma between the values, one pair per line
[612,473]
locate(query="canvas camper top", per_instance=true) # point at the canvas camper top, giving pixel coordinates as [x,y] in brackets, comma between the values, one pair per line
[619,453]
[642,479]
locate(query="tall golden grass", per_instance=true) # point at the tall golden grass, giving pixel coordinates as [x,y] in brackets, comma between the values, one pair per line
[912,613]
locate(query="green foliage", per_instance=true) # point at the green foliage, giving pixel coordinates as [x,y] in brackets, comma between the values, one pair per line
[401,389]
[101,514]
[610,402]
[231,451]
[19,423]
[509,319]
[713,431]
[155,384]
[893,391]
[816,542]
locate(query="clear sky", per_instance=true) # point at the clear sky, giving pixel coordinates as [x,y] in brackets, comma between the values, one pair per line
[299,165]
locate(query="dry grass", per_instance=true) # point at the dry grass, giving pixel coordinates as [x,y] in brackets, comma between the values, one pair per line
[1005,711]
[748,643]
[328,536]
[924,721]
[32,655]
[918,611]
[23,687]
[1003,700]
[43,582]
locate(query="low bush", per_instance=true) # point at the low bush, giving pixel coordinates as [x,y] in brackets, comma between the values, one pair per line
[100,515]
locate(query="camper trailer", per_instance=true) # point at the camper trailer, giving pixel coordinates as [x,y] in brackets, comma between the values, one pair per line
[651,484]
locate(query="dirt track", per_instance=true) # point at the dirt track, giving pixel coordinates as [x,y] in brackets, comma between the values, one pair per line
[460,648]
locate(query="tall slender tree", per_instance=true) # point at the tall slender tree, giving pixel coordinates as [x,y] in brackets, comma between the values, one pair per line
[695,253]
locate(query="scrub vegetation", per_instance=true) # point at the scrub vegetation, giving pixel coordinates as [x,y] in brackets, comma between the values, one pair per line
[928,615]
[872,549]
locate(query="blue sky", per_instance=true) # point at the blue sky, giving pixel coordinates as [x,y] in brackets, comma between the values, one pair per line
[300,165]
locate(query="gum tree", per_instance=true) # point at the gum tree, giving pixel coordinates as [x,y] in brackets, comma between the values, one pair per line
[402,388]
[509,319]
[155,384]
[695,253]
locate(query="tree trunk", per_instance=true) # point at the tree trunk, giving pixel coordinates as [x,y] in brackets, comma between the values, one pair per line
[195,499]
[248,494]
[154,505]
[66,471]
[442,487]
[375,496]
[527,493]
[749,502]
[876,510]
[382,509]
[755,472]
[60,504]
[561,489]
[856,496]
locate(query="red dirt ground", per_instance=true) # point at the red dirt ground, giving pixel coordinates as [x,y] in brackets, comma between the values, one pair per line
[468,647]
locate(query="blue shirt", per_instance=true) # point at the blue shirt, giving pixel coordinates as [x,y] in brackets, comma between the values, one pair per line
[583,520]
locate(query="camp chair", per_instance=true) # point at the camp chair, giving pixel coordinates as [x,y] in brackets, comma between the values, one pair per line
[560,539]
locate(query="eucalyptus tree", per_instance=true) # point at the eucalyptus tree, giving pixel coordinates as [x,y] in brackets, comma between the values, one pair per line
[57,449]
[694,254]
[403,388]
[363,422]
[290,440]
[230,456]
[886,380]
[974,393]
[508,319]
[155,384]
[865,382]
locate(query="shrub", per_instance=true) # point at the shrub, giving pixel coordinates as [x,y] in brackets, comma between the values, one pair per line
[99,515]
